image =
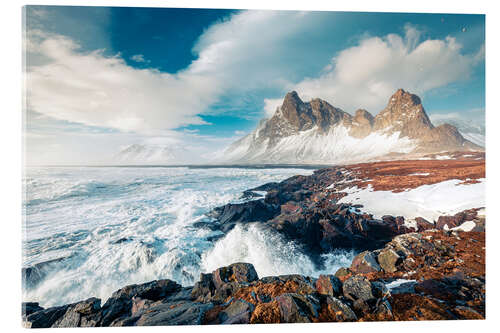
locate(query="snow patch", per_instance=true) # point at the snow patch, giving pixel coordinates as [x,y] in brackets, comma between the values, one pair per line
[397,283]
[427,201]
[419,174]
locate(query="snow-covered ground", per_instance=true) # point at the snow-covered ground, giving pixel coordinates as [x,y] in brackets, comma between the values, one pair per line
[427,201]
[313,146]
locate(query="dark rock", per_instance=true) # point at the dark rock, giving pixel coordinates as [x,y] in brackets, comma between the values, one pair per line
[294,308]
[423,224]
[358,287]
[251,211]
[379,290]
[238,312]
[45,318]
[365,262]
[249,194]
[153,290]
[329,285]
[204,289]
[33,275]
[238,272]
[404,288]
[28,308]
[177,313]
[339,310]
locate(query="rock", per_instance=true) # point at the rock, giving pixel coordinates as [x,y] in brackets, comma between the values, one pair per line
[343,272]
[465,312]
[28,308]
[115,308]
[379,290]
[329,285]
[251,211]
[294,308]
[176,313]
[238,312]
[339,311]
[423,224]
[153,290]
[384,309]
[266,313]
[238,272]
[365,262]
[45,318]
[388,260]
[249,194]
[358,287]
[404,288]
[204,289]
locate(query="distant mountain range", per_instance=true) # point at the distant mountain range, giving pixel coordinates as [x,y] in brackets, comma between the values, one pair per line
[317,132]
[151,154]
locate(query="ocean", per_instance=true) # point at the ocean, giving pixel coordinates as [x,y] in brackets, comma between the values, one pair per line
[88,231]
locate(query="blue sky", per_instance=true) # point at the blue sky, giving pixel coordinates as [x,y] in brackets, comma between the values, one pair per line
[100,78]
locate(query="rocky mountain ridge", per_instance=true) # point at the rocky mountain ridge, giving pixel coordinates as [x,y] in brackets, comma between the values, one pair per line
[316,131]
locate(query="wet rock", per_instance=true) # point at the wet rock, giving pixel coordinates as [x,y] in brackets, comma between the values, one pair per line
[28,308]
[204,289]
[404,288]
[176,313]
[294,308]
[251,211]
[153,290]
[249,194]
[358,287]
[238,312]
[388,259]
[33,275]
[238,272]
[45,318]
[343,272]
[329,285]
[339,311]
[365,262]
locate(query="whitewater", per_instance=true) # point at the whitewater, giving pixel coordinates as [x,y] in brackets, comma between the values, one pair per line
[92,230]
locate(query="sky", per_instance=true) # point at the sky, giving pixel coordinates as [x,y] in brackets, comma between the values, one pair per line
[98,79]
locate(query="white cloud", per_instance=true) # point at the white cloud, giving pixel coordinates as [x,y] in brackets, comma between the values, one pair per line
[93,89]
[365,75]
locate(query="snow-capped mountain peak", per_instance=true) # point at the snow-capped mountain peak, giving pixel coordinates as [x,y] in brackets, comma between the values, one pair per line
[317,132]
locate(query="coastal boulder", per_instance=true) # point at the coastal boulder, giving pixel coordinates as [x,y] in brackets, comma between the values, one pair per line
[358,287]
[365,262]
[329,285]
[238,312]
[45,318]
[388,259]
[238,272]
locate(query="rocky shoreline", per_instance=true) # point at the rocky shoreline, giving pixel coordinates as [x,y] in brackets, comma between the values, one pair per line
[404,271]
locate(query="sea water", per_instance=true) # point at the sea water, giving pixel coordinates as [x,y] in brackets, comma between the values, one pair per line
[93,230]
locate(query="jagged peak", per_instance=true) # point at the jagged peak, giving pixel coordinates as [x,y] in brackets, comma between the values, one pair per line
[402,96]
[292,96]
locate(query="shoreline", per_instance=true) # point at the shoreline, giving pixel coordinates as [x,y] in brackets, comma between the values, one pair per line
[305,209]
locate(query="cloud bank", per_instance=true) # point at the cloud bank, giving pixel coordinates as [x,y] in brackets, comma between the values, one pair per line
[365,75]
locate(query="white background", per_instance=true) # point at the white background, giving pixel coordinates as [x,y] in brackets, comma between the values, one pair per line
[11,194]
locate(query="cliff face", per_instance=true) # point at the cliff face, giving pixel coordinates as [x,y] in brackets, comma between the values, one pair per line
[317,132]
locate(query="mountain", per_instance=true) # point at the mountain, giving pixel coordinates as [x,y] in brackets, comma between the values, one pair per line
[472,131]
[317,132]
[150,154]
